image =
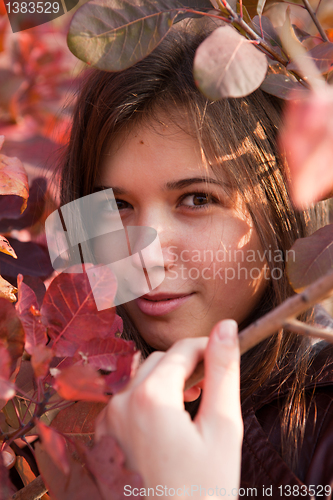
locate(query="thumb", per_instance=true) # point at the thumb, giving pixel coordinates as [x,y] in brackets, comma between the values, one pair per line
[220,403]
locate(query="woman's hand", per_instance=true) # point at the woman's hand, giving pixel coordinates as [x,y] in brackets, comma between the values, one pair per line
[157,435]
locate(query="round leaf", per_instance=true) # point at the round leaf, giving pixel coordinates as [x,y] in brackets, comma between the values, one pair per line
[114,35]
[228,65]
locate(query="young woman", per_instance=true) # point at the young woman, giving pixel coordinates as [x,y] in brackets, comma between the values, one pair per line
[209,178]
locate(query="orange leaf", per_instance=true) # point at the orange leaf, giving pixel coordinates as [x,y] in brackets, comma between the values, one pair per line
[13,177]
[6,248]
[7,290]
[81,383]
[26,474]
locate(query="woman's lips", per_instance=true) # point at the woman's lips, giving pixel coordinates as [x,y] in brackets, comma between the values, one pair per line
[160,304]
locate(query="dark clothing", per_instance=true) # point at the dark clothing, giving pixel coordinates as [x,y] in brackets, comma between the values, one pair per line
[262,465]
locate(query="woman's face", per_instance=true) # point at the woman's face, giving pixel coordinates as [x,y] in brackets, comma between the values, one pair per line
[215,267]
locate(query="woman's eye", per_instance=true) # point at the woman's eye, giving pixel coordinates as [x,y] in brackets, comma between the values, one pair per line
[197,199]
[114,205]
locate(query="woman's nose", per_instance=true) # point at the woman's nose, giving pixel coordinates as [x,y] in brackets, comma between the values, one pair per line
[151,248]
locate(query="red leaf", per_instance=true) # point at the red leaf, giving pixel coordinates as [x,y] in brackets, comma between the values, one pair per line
[40,360]
[37,286]
[106,462]
[26,307]
[4,363]
[55,445]
[7,389]
[102,354]
[77,486]
[6,488]
[70,312]
[80,383]
[11,332]
[78,421]
[126,364]
[307,139]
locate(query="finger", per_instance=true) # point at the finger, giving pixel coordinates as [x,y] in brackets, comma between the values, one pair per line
[192,394]
[169,375]
[220,403]
[145,368]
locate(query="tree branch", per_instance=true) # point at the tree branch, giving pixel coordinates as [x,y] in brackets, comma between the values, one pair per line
[315,20]
[276,319]
[33,491]
[311,331]
[252,34]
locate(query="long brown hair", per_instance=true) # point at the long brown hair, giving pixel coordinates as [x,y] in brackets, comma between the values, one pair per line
[239,138]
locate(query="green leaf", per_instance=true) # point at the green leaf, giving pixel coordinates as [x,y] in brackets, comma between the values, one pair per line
[226,64]
[312,259]
[114,35]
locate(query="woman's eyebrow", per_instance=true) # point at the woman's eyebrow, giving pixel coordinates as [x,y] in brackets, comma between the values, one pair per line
[182,183]
[115,190]
[170,186]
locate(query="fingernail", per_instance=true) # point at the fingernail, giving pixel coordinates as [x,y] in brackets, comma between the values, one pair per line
[227,332]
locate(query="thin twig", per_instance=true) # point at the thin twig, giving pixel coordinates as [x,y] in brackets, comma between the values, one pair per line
[33,491]
[10,437]
[311,331]
[315,20]
[276,319]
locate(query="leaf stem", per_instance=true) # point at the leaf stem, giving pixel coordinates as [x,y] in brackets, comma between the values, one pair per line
[41,409]
[315,20]
[276,319]
[25,396]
